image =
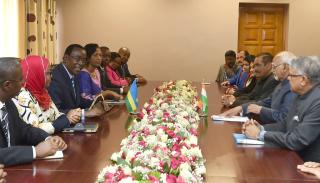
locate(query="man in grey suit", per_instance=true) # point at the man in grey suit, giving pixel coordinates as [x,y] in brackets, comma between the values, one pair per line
[19,141]
[300,131]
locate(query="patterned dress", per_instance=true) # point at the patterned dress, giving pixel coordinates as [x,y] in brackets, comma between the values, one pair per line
[31,112]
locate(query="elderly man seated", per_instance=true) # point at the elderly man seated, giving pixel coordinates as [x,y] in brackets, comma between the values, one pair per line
[300,130]
[124,53]
[275,107]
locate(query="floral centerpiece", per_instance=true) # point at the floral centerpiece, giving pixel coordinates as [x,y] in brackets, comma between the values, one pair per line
[162,145]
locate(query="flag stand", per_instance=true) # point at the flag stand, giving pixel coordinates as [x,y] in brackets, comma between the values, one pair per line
[133,113]
[203,115]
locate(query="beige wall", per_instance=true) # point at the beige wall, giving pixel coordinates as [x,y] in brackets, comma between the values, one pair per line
[175,39]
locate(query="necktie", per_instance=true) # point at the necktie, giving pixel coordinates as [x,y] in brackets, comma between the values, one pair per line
[5,124]
[73,86]
[123,72]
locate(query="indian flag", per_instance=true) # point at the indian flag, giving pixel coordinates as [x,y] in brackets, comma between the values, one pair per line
[132,97]
[204,100]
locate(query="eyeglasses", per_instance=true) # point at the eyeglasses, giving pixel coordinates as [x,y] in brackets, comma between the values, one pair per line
[295,75]
[14,81]
[275,66]
[78,59]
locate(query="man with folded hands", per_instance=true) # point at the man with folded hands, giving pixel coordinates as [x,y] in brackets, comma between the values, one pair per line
[300,130]
[19,141]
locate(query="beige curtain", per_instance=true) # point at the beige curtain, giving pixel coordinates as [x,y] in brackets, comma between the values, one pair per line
[41,29]
[9,28]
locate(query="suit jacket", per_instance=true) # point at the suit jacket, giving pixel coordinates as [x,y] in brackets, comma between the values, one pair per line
[263,88]
[276,106]
[124,72]
[62,92]
[22,137]
[300,131]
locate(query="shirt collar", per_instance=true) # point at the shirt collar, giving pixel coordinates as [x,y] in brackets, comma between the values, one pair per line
[1,104]
[70,75]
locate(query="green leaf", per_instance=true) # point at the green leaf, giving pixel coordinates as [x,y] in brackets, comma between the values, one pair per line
[123,162]
[175,172]
[156,174]
[166,167]
[137,176]
[140,138]
[136,163]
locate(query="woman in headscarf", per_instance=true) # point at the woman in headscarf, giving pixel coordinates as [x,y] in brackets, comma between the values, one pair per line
[34,103]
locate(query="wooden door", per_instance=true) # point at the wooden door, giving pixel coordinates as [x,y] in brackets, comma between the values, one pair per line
[261,29]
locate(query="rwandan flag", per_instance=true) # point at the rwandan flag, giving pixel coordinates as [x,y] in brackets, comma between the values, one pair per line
[204,100]
[132,97]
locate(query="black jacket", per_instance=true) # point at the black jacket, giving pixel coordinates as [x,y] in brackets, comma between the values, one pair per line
[62,93]
[22,137]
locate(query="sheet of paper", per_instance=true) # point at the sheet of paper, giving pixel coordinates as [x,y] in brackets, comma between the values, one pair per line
[57,155]
[242,139]
[231,118]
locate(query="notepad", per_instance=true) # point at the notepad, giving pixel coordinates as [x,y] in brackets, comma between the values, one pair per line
[242,139]
[57,155]
[231,118]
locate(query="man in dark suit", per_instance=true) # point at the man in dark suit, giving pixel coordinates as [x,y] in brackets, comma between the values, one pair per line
[264,86]
[300,130]
[124,69]
[19,141]
[64,88]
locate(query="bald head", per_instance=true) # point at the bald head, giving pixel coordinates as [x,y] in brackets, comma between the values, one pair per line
[8,66]
[11,78]
[124,53]
[280,65]
[284,57]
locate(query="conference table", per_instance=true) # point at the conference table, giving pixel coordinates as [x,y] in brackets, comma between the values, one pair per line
[226,162]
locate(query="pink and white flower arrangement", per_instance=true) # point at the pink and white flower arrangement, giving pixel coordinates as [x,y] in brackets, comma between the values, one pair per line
[163,142]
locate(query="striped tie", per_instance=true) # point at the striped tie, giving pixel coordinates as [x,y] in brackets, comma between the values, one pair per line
[73,86]
[4,124]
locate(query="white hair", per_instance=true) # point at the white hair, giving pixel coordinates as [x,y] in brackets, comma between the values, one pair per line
[285,57]
[309,66]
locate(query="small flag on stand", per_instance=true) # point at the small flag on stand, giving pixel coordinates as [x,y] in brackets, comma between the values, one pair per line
[132,98]
[204,100]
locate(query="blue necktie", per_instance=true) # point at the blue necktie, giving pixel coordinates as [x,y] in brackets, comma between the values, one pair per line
[5,124]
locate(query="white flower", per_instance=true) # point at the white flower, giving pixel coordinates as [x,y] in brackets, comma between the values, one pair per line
[158,113]
[195,152]
[152,140]
[192,140]
[127,170]
[164,106]
[164,138]
[154,162]
[201,170]
[115,156]
[126,180]
[163,177]
[130,155]
[187,175]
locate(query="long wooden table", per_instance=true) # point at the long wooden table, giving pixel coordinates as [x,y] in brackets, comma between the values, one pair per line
[226,162]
